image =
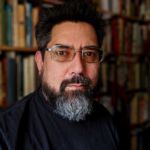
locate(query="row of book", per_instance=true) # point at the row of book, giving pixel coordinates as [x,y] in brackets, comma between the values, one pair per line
[138,8]
[139,115]
[18,77]
[125,37]
[140,139]
[129,75]
[17,23]
[139,108]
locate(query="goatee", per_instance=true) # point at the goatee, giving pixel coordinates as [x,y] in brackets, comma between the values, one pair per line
[71,105]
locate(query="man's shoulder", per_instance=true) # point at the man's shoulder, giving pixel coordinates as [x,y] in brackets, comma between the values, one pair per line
[17,106]
[12,115]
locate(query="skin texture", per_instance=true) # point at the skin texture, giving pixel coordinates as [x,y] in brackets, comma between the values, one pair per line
[78,35]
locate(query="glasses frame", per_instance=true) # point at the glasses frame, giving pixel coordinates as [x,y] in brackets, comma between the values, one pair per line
[50,49]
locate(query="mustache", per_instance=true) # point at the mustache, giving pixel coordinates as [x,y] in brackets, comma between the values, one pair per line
[76,79]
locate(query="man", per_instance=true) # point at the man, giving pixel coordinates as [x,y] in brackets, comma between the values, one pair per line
[62,114]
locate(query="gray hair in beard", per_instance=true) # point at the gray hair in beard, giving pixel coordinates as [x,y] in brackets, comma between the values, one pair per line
[71,105]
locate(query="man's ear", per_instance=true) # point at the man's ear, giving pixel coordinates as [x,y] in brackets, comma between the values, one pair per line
[39,61]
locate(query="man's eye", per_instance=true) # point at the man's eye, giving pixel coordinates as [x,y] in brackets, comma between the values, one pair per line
[61,53]
[89,53]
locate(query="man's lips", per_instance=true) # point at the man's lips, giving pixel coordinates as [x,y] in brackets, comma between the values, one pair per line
[75,86]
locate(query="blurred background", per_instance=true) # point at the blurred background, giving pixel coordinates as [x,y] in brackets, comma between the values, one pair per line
[124,83]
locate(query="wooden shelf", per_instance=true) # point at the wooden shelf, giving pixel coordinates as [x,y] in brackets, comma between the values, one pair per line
[127,91]
[131,18]
[4,105]
[140,125]
[18,49]
[125,54]
[137,90]
[54,1]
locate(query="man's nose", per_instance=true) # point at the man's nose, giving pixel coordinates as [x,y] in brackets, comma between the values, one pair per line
[77,64]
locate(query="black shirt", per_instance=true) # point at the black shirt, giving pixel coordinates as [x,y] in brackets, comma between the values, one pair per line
[30,124]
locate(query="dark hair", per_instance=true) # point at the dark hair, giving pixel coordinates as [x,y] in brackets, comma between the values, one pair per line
[74,10]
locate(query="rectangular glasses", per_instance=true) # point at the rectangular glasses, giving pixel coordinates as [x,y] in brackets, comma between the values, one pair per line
[65,53]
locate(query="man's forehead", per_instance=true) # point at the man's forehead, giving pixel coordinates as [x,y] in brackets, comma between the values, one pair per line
[73,32]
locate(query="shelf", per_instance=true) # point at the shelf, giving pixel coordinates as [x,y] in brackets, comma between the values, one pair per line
[126,54]
[138,90]
[140,125]
[4,105]
[54,1]
[131,18]
[18,49]
[127,91]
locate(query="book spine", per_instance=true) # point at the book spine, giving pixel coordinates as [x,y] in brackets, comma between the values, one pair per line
[9,24]
[4,74]
[28,24]
[32,73]
[15,23]
[21,24]
[26,81]
[19,62]
[35,17]
[0,22]
[11,79]
[1,84]
[3,23]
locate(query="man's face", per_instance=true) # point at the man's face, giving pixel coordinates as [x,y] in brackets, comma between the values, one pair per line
[77,35]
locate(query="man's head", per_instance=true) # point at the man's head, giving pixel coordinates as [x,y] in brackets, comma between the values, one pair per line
[68,85]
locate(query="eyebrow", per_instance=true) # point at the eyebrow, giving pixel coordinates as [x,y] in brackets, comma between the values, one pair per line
[87,46]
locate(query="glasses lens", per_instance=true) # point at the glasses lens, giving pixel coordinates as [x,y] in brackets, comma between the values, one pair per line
[62,53]
[92,55]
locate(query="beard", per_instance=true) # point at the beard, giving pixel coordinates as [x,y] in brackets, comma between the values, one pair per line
[71,105]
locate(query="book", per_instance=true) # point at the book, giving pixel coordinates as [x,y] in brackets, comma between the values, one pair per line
[112,69]
[104,5]
[133,140]
[115,40]
[120,29]
[1,22]
[9,24]
[4,74]
[11,80]
[3,14]
[21,25]
[29,74]
[115,6]
[103,75]
[134,110]
[1,83]
[19,74]
[137,75]
[32,73]
[26,84]
[135,27]
[15,23]
[35,18]
[108,37]
[28,17]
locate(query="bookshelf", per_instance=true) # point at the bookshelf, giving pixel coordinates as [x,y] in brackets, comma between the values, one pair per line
[17,49]
[135,100]
[127,17]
